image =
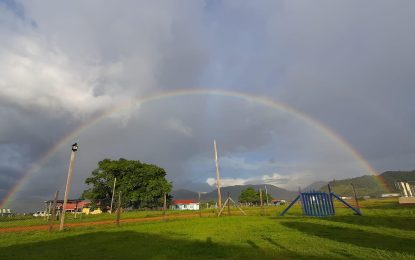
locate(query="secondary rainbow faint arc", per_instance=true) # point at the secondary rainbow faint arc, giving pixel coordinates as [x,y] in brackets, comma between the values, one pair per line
[189,92]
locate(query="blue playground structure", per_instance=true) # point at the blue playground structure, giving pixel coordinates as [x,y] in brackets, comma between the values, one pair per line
[318,204]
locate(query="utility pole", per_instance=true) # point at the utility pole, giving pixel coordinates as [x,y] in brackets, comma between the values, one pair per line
[68,184]
[217,175]
[112,197]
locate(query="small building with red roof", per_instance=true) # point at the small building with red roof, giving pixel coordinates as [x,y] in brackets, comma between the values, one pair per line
[184,205]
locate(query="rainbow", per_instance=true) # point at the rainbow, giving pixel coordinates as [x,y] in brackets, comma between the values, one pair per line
[193,92]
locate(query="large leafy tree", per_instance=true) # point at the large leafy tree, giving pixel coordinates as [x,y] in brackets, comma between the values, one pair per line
[141,185]
[249,195]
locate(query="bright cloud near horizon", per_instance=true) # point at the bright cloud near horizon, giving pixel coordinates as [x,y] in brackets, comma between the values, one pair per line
[347,64]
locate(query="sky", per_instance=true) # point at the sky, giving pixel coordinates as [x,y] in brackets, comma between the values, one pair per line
[348,66]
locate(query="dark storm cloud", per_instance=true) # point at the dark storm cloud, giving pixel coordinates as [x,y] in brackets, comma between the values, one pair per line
[349,64]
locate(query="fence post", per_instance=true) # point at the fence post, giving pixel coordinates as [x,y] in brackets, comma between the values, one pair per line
[229,205]
[53,215]
[355,197]
[200,208]
[164,205]
[262,203]
[119,209]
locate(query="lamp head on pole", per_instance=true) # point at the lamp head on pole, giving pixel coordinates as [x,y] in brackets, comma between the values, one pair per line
[75,147]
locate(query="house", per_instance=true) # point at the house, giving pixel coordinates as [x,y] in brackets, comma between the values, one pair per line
[277,202]
[73,206]
[5,212]
[390,195]
[184,205]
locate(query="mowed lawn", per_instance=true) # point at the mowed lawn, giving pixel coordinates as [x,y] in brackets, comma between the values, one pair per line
[386,231]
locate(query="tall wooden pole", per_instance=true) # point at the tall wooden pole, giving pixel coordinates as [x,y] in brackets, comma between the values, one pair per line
[68,184]
[217,175]
[112,197]
[53,215]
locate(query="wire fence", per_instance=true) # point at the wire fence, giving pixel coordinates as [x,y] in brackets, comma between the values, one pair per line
[84,216]
[80,213]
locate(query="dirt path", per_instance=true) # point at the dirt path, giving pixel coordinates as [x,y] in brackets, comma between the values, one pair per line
[95,223]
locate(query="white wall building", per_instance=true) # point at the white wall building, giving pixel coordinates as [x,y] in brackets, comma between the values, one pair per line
[184,205]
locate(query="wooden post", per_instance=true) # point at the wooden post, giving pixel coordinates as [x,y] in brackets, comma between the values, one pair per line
[49,210]
[76,209]
[266,194]
[301,201]
[119,209]
[200,208]
[229,205]
[262,204]
[234,203]
[165,204]
[53,216]
[112,196]
[46,211]
[355,197]
[68,185]
[217,175]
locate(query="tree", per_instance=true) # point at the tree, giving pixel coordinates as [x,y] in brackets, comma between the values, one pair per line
[249,195]
[141,185]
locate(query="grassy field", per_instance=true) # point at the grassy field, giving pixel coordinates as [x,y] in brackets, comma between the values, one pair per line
[386,231]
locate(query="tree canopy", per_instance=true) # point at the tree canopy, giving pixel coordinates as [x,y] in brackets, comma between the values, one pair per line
[250,195]
[141,185]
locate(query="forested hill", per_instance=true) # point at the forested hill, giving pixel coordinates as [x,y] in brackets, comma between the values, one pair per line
[369,184]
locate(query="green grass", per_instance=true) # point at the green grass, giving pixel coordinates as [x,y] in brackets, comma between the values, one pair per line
[20,221]
[386,231]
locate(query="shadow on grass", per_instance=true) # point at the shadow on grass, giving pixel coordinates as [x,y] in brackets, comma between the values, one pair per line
[398,222]
[127,244]
[355,237]
[287,251]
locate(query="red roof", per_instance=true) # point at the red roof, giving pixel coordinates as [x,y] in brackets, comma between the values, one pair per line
[73,204]
[175,202]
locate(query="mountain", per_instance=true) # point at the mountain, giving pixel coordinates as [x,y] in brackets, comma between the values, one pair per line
[365,185]
[234,191]
[183,194]
[315,185]
[391,177]
[370,184]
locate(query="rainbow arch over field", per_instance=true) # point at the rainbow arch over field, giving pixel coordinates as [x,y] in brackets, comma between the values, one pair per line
[71,136]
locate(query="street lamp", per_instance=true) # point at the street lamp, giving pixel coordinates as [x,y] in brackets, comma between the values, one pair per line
[68,183]
[75,147]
